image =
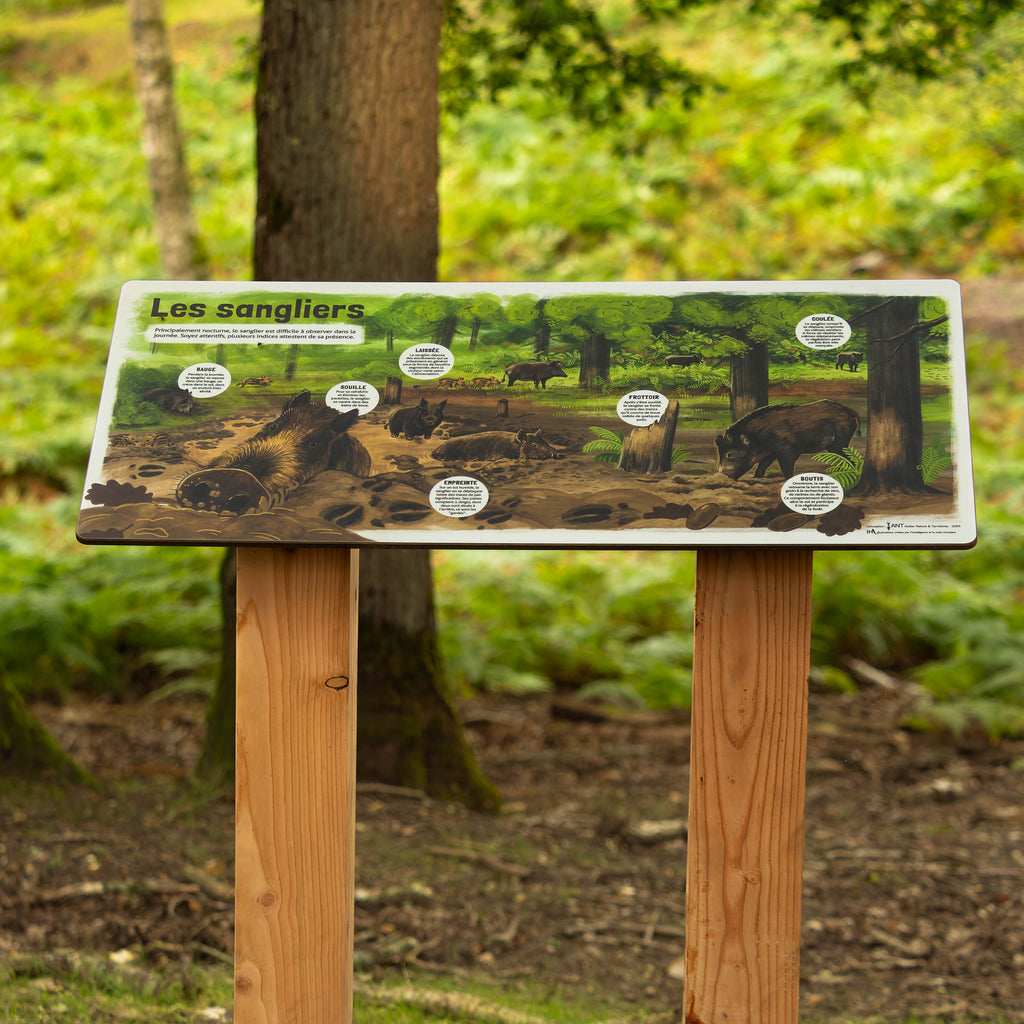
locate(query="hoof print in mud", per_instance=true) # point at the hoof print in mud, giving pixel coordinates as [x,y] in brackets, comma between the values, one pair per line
[673,510]
[109,534]
[113,493]
[408,511]
[703,515]
[223,489]
[150,469]
[765,517]
[493,516]
[377,484]
[841,520]
[347,514]
[587,515]
[788,521]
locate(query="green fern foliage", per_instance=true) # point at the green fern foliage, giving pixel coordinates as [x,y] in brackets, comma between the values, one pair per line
[846,468]
[606,447]
[935,459]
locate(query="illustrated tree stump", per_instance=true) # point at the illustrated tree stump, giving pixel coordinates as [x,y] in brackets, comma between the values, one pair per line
[649,449]
[392,391]
[502,407]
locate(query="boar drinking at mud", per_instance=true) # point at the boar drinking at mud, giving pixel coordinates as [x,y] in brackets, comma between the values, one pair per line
[539,372]
[782,433]
[301,442]
[489,445]
[418,420]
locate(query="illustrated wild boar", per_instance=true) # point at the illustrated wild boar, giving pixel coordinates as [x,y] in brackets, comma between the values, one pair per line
[304,440]
[171,399]
[782,433]
[418,420]
[850,359]
[490,445]
[539,372]
[682,360]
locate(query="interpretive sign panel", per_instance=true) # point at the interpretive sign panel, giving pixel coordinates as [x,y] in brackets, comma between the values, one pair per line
[809,414]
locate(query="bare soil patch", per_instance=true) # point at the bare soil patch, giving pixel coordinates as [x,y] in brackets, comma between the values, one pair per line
[913,890]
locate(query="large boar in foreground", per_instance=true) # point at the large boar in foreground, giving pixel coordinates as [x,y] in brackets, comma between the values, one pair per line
[539,372]
[489,445]
[304,440]
[783,433]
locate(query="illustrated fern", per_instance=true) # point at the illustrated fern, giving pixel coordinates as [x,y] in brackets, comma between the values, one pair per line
[846,468]
[934,460]
[606,447]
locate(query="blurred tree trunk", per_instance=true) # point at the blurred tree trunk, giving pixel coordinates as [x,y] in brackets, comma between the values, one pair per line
[180,251]
[347,167]
[25,745]
[216,765]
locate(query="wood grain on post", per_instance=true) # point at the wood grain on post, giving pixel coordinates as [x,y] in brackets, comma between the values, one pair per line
[295,785]
[747,785]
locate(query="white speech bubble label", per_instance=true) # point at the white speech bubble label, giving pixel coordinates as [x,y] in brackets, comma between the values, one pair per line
[823,331]
[812,494]
[458,496]
[353,394]
[426,362]
[642,408]
[204,380]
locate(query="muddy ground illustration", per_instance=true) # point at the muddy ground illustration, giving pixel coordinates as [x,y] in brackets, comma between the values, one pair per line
[572,491]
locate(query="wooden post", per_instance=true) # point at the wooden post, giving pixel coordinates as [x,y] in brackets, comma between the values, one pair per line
[295,785]
[747,784]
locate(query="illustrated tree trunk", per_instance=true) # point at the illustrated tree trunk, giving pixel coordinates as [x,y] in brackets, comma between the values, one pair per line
[649,449]
[392,391]
[347,167]
[182,256]
[895,425]
[596,361]
[542,339]
[446,331]
[748,381]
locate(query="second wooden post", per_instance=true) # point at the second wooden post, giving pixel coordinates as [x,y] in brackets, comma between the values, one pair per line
[295,785]
[747,786]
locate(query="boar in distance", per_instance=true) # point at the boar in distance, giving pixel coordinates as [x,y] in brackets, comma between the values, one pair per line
[539,372]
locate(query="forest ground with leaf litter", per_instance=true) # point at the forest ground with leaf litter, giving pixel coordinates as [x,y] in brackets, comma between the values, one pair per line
[913,897]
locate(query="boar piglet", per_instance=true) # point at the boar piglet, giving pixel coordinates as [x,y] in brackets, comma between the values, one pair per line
[304,440]
[489,445]
[418,420]
[783,433]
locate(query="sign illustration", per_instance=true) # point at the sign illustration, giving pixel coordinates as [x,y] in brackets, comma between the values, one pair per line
[811,414]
